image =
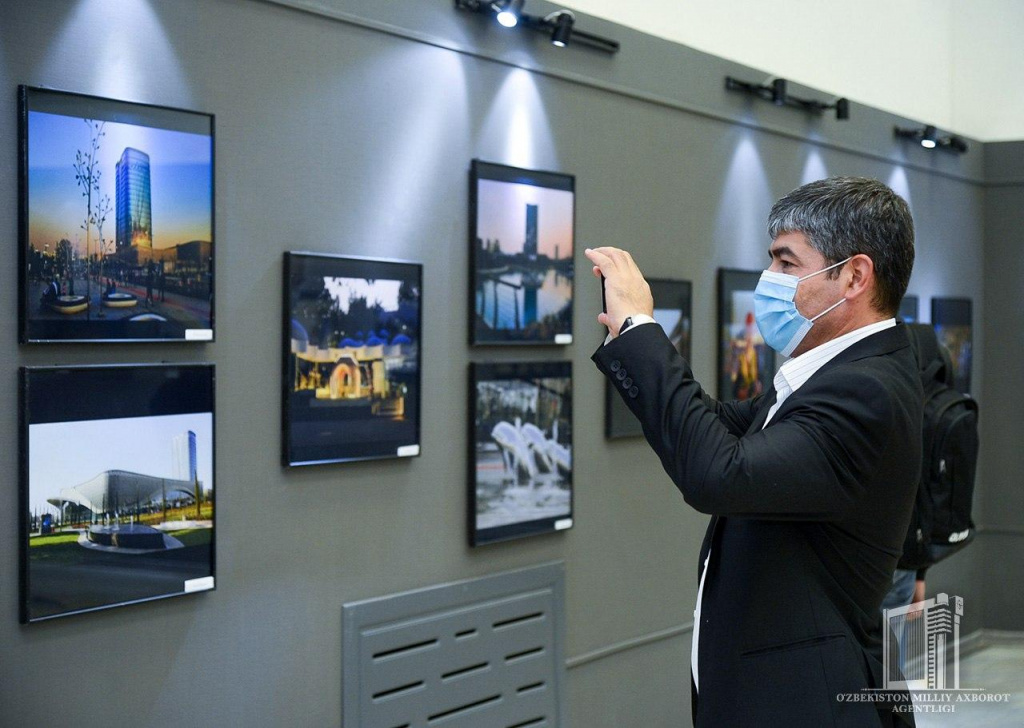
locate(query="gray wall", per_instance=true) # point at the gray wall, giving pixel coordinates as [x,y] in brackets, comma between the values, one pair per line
[350,130]
[1002,510]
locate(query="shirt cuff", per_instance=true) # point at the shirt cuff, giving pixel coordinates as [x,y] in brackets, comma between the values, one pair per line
[638,319]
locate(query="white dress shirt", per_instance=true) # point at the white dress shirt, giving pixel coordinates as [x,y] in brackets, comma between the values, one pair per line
[791,376]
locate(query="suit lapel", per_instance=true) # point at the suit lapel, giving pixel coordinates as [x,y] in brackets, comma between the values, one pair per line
[716,521]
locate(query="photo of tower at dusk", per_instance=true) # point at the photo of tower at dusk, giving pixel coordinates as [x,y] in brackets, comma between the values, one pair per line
[120,228]
[134,203]
[522,260]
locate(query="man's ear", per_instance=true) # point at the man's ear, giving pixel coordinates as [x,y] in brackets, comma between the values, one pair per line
[862,276]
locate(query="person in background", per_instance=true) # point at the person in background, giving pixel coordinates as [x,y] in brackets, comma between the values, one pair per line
[149,283]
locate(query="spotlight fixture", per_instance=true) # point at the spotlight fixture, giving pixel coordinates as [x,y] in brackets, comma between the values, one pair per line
[508,12]
[928,137]
[560,24]
[563,21]
[953,143]
[777,92]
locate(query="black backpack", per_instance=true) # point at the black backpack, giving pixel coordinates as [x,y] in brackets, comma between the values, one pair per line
[941,524]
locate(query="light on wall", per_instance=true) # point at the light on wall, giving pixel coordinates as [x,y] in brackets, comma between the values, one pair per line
[560,24]
[928,137]
[777,92]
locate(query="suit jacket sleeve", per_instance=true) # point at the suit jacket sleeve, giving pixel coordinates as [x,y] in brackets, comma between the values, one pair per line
[811,462]
[736,416]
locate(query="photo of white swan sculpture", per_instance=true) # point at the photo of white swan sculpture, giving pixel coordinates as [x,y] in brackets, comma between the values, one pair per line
[526,451]
[515,451]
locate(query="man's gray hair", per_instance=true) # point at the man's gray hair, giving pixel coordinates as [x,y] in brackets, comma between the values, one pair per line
[845,216]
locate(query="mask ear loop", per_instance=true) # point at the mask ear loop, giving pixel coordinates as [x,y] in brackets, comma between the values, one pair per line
[840,301]
[834,265]
[835,305]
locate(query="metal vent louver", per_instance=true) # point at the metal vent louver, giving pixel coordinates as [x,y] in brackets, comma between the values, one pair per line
[483,653]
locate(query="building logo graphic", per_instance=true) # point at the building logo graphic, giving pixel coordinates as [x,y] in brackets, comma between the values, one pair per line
[919,642]
[921,670]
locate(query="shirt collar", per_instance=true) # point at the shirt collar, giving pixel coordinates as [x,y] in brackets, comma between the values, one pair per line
[795,372]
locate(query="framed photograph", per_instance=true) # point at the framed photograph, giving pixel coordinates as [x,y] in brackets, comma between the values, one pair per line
[908,310]
[746,364]
[521,261]
[951,319]
[117,486]
[672,311]
[116,220]
[520,450]
[352,353]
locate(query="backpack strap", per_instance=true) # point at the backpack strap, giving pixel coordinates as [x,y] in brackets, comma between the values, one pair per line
[931,372]
[933,360]
[962,399]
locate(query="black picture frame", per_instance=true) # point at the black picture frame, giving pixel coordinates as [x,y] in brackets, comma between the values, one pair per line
[673,310]
[952,319]
[909,308]
[736,325]
[351,386]
[132,261]
[117,486]
[520,450]
[518,293]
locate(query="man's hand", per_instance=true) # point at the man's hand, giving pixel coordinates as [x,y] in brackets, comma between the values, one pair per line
[626,291]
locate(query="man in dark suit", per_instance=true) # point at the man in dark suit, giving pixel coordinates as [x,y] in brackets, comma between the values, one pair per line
[810,485]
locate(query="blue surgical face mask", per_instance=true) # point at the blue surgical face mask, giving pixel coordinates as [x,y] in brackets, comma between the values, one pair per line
[782,326]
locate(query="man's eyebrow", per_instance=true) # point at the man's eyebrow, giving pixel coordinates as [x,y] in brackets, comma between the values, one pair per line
[783,250]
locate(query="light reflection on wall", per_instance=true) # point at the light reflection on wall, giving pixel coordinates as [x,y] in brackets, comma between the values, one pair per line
[901,185]
[516,130]
[121,51]
[745,201]
[814,167]
[923,281]
[433,117]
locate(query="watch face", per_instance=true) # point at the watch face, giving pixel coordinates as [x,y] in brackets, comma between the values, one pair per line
[626,324]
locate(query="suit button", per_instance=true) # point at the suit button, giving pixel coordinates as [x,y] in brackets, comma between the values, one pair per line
[620,375]
[615,366]
[633,392]
[627,383]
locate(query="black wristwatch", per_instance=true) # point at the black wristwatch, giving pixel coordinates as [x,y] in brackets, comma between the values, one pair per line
[625,325]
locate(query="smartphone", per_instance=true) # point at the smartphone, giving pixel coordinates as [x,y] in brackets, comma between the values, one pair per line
[604,299]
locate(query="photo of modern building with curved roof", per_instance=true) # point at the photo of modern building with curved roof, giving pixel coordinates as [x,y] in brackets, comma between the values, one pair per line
[119,509]
[119,493]
[116,491]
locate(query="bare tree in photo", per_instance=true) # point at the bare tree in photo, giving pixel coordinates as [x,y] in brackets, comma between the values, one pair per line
[102,210]
[87,175]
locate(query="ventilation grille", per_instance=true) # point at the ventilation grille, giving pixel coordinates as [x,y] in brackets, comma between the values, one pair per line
[484,653]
